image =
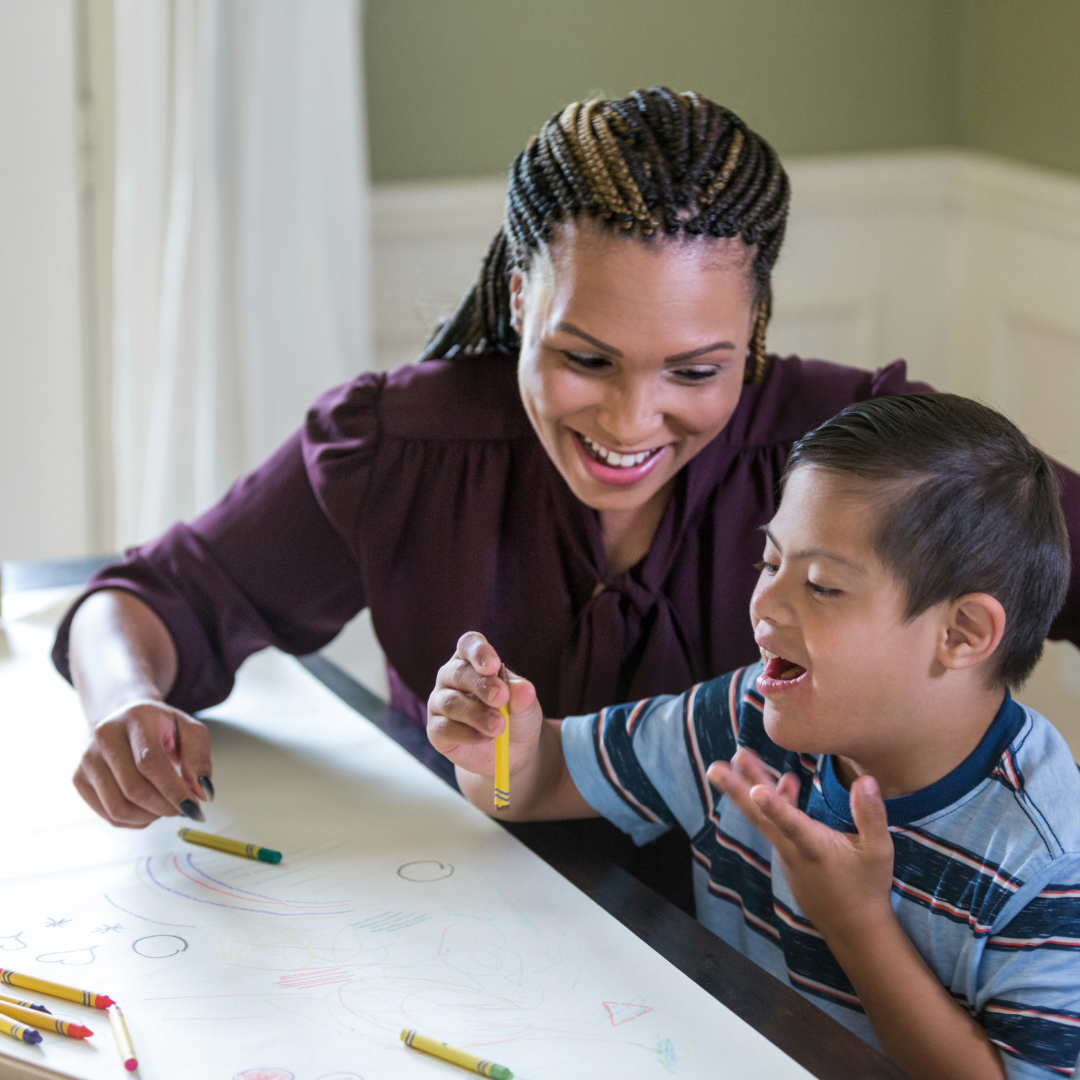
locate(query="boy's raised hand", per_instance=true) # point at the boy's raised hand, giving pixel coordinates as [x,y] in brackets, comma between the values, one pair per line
[463,709]
[842,881]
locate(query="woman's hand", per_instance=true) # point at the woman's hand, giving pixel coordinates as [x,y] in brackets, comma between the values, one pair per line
[463,709]
[145,761]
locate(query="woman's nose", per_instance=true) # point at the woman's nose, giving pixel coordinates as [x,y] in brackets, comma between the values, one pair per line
[631,412]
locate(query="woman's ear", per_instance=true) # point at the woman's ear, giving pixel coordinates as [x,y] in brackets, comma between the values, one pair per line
[517,300]
[974,627]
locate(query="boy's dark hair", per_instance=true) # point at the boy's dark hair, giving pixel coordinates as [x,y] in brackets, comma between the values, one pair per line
[970,506]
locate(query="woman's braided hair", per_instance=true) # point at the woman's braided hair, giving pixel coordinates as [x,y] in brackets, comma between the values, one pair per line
[653,163]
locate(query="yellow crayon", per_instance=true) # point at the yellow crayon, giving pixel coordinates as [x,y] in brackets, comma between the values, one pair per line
[233,847]
[123,1039]
[43,986]
[37,1019]
[502,753]
[19,1031]
[413,1038]
[24,1004]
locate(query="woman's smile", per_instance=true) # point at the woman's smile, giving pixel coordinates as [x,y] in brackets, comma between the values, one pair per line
[622,469]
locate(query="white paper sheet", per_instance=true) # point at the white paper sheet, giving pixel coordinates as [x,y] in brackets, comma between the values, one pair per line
[397,905]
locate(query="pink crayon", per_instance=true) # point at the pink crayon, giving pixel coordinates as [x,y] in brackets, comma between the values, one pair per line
[123,1039]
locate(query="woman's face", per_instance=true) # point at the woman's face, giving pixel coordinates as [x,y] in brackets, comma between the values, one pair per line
[632,356]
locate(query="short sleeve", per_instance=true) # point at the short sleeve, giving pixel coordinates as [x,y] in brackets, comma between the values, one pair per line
[642,765]
[1029,982]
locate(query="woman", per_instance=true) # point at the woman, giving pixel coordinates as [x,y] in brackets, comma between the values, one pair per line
[579,472]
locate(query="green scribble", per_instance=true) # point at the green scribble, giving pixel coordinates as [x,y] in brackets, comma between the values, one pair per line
[667,1055]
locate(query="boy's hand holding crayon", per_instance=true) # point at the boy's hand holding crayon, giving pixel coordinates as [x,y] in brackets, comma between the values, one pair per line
[464,719]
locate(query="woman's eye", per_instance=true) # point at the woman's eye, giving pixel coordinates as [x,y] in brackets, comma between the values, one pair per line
[822,590]
[588,361]
[764,567]
[696,374]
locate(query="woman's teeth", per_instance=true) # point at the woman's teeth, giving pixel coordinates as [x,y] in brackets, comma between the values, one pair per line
[612,459]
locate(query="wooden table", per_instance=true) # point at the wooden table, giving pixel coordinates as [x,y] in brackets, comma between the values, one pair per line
[811,1037]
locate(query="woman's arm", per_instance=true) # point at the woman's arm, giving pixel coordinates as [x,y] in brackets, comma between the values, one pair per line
[145,759]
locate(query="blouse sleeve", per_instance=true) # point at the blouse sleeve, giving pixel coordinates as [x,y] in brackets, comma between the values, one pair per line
[265,566]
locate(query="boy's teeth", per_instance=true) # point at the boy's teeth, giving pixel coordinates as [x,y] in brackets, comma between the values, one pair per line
[766,655]
[609,457]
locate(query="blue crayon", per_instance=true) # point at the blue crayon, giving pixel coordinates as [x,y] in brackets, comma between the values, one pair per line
[24,1004]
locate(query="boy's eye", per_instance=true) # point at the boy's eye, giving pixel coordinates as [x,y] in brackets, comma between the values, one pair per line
[766,567]
[822,590]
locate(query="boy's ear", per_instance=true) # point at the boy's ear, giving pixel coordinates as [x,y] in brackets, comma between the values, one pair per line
[973,629]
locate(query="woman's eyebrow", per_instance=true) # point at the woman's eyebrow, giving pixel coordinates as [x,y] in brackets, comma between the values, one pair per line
[679,357]
[570,328]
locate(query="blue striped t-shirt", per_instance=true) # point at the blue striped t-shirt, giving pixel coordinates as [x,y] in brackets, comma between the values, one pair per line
[986,878]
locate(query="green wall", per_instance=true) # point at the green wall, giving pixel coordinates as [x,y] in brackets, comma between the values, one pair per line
[457,87]
[1020,83]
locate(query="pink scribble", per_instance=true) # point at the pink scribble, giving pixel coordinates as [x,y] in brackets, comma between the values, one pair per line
[622,1012]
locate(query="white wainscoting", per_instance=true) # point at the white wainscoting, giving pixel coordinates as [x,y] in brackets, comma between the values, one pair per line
[967,266]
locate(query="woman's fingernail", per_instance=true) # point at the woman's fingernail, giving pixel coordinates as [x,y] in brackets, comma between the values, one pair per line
[190,810]
[208,787]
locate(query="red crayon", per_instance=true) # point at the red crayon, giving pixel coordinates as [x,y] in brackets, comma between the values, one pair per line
[46,1022]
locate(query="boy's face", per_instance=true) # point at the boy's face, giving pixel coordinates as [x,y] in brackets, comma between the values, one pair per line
[844,670]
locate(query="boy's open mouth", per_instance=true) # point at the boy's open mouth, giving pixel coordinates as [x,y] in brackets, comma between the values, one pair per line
[776,667]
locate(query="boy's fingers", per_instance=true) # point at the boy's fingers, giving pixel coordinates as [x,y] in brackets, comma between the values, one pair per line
[789,788]
[752,767]
[474,647]
[788,820]
[464,709]
[869,814]
[461,675]
[522,695]
[446,735]
[726,779]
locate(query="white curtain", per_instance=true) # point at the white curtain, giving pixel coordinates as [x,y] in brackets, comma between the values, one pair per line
[241,243]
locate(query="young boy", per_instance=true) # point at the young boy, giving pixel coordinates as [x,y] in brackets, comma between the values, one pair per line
[894,834]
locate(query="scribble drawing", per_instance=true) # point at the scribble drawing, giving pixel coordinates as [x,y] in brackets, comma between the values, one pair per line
[666,1053]
[391,920]
[173,880]
[69,957]
[50,923]
[315,977]
[136,915]
[622,1012]
[425,870]
[13,942]
[160,946]
[106,928]
[265,1074]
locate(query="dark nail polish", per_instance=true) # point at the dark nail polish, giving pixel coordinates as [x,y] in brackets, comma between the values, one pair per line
[189,809]
[208,787]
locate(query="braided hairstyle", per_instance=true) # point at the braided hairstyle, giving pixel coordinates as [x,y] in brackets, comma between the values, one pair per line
[654,163]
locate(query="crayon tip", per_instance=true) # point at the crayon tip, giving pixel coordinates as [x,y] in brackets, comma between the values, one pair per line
[78,1031]
[131,1064]
[32,1036]
[40,1008]
[501,1072]
[266,855]
[104,1001]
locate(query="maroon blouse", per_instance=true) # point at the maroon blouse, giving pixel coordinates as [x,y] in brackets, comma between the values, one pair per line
[425,495]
